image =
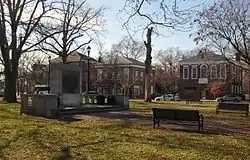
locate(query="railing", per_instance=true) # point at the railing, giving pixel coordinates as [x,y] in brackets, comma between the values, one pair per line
[121,100]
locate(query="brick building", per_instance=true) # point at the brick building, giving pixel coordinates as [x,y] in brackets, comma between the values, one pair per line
[199,72]
[122,75]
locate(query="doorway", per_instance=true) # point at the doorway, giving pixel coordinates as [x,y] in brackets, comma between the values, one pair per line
[203,94]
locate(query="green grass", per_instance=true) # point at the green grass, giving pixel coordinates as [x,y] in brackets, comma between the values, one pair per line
[27,137]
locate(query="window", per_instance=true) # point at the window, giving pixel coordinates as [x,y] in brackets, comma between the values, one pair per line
[105,75]
[194,72]
[203,71]
[126,72]
[213,71]
[99,74]
[113,75]
[185,72]
[223,71]
[136,90]
[136,74]
[119,75]
[141,75]
[152,89]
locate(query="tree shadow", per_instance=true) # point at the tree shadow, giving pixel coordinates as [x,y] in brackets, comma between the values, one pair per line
[121,115]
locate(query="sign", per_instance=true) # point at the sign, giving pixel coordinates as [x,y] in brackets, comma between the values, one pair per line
[203,81]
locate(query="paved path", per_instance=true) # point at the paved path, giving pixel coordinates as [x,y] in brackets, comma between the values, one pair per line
[144,117]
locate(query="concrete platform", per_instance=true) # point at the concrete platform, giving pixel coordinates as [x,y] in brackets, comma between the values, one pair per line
[88,108]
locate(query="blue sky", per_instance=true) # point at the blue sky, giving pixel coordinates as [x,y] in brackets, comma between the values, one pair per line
[115,32]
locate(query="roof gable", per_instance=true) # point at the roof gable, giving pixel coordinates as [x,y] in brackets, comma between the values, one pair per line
[73,57]
[121,60]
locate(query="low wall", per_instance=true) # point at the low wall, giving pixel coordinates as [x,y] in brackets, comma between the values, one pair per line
[71,99]
[122,100]
[41,105]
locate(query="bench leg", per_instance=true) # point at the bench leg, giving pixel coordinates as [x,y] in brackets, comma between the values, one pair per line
[158,122]
[202,124]
[154,122]
[199,126]
[247,113]
[217,111]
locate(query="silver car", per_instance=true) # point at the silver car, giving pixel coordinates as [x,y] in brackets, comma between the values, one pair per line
[229,97]
[168,97]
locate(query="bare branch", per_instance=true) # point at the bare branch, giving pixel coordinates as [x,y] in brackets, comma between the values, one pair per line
[225,27]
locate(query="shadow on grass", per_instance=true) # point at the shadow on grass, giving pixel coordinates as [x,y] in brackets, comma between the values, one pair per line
[67,118]
[121,115]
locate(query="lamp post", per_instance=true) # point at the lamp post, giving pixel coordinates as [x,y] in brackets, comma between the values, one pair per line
[49,58]
[88,50]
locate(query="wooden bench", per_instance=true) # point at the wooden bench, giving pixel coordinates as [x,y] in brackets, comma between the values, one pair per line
[233,107]
[177,115]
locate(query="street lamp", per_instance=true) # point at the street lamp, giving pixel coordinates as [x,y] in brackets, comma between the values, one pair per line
[88,50]
[49,58]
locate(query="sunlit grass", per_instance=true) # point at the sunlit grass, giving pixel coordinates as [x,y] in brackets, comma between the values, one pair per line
[27,137]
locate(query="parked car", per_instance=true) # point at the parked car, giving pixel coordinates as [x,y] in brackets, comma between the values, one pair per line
[42,89]
[176,97]
[243,97]
[168,97]
[229,97]
[154,95]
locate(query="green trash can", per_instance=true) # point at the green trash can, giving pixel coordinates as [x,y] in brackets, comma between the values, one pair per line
[111,100]
[100,99]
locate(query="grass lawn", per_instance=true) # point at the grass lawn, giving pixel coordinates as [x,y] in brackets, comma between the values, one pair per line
[27,137]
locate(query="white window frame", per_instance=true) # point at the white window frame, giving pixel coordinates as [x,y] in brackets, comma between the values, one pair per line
[211,72]
[201,70]
[126,72]
[183,75]
[99,74]
[119,75]
[142,75]
[192,72]
[225,66]
[137,87]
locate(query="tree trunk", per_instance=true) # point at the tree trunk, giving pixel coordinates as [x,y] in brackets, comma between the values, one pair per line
[64,58]
[148,67]
[10,85]
[249,85]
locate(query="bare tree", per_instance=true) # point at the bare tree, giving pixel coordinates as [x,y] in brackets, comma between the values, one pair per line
[76,24]
[224,26]
[18,20]
[129,48]
[26,74]
[167,70]
[171,14]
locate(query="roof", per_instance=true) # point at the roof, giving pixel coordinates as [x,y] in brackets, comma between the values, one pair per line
[203,56]
[75,56]
[121,60]
[136,62]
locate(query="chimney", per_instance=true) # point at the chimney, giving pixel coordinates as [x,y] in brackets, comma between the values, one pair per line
[201,54]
